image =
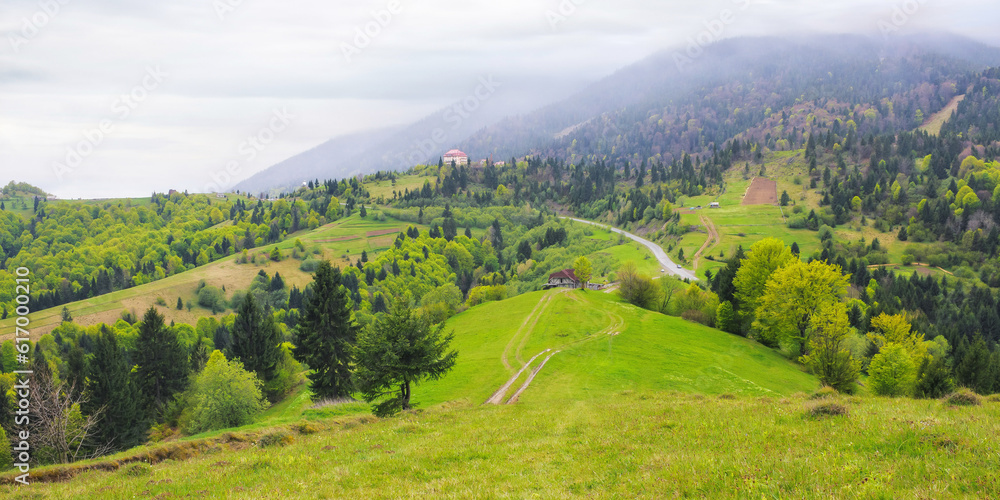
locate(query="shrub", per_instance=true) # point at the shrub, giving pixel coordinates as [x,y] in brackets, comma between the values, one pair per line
[6,459]
[137,469]
[224,395]
[964,397]
[211,298]
[483,294]
[827,409]
[797,222]
[160,301]
[288,375]
[277,438]
[309,265]
[824,392]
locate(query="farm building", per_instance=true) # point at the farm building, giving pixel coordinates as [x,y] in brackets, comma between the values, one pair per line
[567,279]
[457,156]
[563,279]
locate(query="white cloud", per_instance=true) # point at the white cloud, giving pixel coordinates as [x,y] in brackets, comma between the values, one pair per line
[61,77]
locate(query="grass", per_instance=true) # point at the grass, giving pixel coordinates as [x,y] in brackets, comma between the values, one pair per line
[934,123]
[647,351]
[403,182]
[348,236]
[631,444]
[744,225]
[623,410]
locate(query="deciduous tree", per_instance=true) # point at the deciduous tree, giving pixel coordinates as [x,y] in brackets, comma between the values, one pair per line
[224,395]
[892,372]
[792,296]
[765,257]
[829,356]
[583,270]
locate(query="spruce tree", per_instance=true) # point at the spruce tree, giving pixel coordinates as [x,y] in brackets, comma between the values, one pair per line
[256,339]
[112,388]
[162,363]
[327,335]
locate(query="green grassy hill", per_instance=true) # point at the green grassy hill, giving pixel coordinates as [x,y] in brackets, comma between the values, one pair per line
[606,349]
[605,346]
[634,404]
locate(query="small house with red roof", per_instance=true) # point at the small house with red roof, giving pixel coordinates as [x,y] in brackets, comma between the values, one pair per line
[456,156]
[563,279]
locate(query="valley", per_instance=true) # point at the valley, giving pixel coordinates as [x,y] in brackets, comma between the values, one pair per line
[775,274]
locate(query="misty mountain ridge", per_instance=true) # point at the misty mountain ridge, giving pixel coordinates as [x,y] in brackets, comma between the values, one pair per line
[607,119]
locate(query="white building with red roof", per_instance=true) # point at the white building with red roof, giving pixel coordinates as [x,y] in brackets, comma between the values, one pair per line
[457,156]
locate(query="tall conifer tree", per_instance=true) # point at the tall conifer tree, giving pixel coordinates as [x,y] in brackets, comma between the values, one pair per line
[327,335]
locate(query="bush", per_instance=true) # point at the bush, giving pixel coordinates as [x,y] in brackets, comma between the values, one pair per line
[797,222]
[824,392]
[223,395]
[934,378]
[211,298]
[137,469]
[309,265]
[6,459]
[826,409]
[483,294]
[277,438]
[288,375]
[964,397]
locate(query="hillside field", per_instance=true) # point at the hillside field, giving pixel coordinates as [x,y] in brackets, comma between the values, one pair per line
[341,242]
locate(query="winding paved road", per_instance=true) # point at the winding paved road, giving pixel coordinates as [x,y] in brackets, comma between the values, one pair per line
[657,250]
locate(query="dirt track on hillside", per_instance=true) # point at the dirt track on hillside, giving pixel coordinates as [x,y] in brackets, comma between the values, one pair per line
[761,192]
[712,240]
[616,324]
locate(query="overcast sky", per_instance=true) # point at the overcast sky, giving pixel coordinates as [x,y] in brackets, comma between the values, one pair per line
[108,98]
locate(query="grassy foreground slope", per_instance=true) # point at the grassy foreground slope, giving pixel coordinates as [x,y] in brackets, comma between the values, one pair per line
[626,445]
[626,409]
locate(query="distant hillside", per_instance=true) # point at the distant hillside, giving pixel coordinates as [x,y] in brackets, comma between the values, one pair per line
[659,108]
[334,159]
[14,188]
